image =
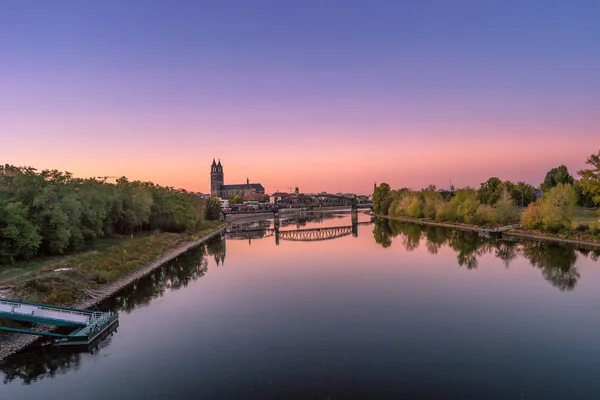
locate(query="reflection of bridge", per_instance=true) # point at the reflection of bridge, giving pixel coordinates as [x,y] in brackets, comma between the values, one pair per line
[298,235]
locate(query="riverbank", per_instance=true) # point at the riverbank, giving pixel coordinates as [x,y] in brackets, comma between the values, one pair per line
[69,283]
[512,232]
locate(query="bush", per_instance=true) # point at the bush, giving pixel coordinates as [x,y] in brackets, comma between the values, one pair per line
[99,276]
[531,218]
[554,212]
[441,211]
[582,228]
[485,215]
[414,207]
[595,228]
[505,211]
[557,208]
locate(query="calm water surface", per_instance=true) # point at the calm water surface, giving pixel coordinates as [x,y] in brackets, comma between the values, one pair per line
[399,311]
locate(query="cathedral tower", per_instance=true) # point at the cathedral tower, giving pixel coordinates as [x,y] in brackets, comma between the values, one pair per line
[216,178]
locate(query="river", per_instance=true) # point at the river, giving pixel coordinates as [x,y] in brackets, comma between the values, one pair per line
[391,310]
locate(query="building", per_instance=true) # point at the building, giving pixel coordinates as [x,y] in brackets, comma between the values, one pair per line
[218,188]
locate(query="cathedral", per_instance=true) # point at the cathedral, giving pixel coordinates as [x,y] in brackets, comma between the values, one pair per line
[219,189]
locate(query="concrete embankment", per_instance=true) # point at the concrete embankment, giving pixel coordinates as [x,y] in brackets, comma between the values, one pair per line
[513,232]
[424,222]
[552,239]
[12,343]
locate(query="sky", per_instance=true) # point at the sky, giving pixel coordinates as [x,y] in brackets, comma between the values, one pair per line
[325,95]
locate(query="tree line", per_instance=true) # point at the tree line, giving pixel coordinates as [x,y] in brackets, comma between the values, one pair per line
[51,212]
[498,202]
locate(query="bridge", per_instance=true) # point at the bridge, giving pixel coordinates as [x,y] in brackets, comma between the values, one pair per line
[297,235]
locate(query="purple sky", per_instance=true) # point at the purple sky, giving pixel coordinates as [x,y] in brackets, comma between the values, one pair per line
[325,95]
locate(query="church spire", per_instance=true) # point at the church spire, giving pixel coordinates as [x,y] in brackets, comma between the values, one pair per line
[214,164]
[219,164]
[247,181]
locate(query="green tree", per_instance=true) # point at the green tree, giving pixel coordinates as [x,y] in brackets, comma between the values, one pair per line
[237,199]
[485,215]
[66,212]
[58,215]
[489,191]
[556,176]
[213,209]
[463,206]
[19,237]
[382,199]
[584,198]
[590,178]
[175,213]
[505,211]
[94,201]
[554,212]
[531,218]
[523,193]
[431,199]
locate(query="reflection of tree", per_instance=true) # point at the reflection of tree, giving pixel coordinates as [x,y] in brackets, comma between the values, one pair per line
[411,233]
[382,233]
[506,251]
[174,275]
[557,261]
[593,254]
[37,364]
[468,245]
[436,237]
[412,237]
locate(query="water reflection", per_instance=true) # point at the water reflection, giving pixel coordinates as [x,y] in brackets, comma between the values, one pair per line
[557,261]
[267,320]
[31,366]
[310,227]
[42,362]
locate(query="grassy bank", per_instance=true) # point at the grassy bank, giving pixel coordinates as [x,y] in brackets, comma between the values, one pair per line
[583,216]
[81,275]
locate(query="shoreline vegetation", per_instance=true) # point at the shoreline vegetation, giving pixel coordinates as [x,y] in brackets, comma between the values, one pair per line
[122,263]
[518,232]
[561,208]
[70,279]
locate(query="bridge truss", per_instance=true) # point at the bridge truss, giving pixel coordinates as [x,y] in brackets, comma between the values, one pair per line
[315,235]
[296,235]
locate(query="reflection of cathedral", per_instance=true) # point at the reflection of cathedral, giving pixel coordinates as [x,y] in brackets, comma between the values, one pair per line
[220,257]
[218,249]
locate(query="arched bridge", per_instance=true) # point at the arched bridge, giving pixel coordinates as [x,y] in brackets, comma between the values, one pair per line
[297,235]
[316,234]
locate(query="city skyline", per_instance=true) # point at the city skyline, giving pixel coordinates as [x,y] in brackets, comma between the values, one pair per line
[326,96]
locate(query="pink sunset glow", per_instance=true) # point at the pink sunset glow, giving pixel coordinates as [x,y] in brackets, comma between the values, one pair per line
[158,103]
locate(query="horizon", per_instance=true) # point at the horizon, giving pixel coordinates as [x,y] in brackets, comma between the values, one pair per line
[326,96]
